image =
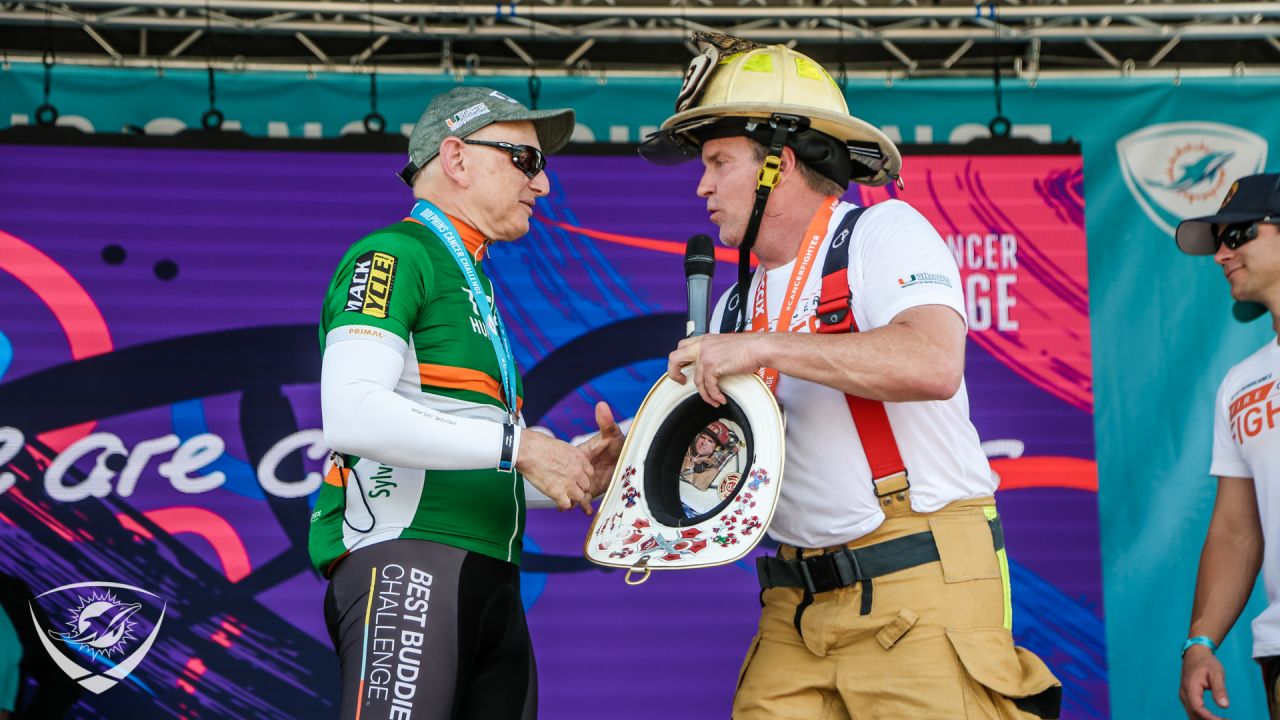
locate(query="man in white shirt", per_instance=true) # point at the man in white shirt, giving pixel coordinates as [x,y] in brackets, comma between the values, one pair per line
[1244,238]
[889,595]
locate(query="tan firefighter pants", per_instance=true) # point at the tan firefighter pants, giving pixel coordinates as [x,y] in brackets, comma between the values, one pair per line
[936,644]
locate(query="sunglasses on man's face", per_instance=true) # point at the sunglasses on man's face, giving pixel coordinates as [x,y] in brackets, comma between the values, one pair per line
[528,159]
[1235,234]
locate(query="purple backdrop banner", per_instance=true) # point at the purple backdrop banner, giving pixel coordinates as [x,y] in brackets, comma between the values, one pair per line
[159,413]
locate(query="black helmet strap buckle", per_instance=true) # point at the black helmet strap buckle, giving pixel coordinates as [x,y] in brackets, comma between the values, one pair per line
[770,173]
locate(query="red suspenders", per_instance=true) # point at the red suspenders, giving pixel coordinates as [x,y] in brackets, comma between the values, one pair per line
[835,315]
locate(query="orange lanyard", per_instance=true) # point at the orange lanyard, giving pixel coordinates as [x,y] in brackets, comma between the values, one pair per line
[816,233]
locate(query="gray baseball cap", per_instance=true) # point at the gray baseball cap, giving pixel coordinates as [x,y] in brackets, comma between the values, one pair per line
[464,110]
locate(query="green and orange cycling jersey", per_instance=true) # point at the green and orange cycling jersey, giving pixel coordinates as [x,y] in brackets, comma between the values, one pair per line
[402,281]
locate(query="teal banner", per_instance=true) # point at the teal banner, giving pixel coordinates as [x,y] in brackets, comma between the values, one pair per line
[1155,151]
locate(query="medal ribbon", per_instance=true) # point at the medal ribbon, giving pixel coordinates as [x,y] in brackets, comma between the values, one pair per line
[815,234]
[432,217]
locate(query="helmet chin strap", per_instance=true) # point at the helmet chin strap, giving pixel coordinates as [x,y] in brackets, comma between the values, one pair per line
[767,179]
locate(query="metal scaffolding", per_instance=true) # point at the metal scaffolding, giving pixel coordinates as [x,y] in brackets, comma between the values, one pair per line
[892,38]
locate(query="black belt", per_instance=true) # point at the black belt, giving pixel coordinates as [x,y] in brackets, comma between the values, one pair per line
[846,566]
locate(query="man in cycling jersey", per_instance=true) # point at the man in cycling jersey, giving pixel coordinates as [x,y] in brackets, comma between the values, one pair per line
[419,524]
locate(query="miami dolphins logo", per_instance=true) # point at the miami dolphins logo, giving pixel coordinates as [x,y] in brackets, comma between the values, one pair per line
[100,624]
[1180,170]
[93,651]
[1195,170]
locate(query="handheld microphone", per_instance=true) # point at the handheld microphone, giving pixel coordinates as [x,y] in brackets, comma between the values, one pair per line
[699,266]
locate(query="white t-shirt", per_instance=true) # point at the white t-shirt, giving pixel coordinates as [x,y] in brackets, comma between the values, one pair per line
[1246,444]
[896,261]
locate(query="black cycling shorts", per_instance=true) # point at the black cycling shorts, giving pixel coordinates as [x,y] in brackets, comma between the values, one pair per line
[426,631]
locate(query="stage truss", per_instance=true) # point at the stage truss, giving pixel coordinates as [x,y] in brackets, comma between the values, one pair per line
[889,38]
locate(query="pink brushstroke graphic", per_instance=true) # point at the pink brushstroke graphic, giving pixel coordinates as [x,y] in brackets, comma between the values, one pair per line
[1038,251]
[215,530]
[74,309]
[671,247]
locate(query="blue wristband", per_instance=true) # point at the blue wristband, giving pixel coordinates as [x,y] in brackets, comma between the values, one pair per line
[1200,640]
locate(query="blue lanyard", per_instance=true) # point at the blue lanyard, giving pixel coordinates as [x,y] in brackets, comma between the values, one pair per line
[432,217]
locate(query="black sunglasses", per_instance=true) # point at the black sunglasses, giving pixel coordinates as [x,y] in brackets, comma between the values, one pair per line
[1235,234]
[527,158]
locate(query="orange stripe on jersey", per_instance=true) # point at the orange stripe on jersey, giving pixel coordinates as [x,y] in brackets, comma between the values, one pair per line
[457,378]
[472,238]
[334,477]
[1252,397]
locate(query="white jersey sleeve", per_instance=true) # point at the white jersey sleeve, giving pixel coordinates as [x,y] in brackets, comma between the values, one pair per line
[902,263]
[364,416]
[1227,458]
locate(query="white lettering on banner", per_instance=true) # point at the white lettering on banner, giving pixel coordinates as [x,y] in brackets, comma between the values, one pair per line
[313,440]
[989,297]
[11,443]
[355,127]
[964,132]
[992,251]
[196,453]
[1004,448]
[1005,302]
[978,302]
[206,449]
[164,126]
[189,456]
[78,122]
[979,308]
[138,460]
[98,483]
